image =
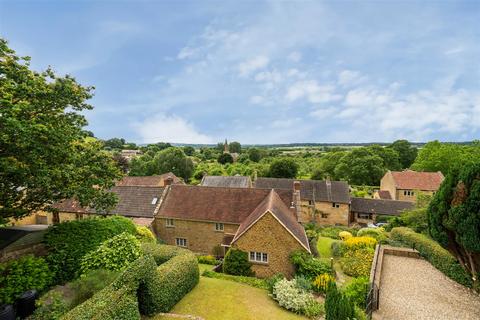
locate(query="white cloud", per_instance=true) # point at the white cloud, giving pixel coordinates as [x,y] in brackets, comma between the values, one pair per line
[349,77]
[323,113]
[454,50]
[312,91]
[247,67]
[163,128]
[295,56]
[186,52]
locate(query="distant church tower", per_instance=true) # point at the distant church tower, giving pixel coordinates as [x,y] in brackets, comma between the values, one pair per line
[225,147]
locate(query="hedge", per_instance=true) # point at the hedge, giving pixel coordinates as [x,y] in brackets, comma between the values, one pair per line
[68,242]
[434,253]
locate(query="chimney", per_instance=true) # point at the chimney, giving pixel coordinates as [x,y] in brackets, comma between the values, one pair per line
[296,200]
[168,181]
[296,186]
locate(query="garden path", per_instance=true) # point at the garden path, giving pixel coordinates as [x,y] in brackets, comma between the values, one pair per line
[413,289]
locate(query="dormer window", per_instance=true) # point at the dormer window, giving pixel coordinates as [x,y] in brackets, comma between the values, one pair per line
[154,200]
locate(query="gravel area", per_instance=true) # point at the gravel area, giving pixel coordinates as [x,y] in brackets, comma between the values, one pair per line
[413,289]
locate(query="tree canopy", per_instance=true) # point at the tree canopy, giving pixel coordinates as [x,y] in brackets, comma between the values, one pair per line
[235,147]
[45,155]
[361,166]
[225,158]
[283,168]
[406,152]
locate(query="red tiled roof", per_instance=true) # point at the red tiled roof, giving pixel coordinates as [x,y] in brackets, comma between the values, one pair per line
[229,205]
[413,180]
[273,204]
[147,181]
[384,194]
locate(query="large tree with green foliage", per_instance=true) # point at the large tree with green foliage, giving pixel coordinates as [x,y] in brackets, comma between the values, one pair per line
[235,147]
[407,153]
[45,155]
[454,217]
[361,167]
[283,168]
[390,157]
[325,168]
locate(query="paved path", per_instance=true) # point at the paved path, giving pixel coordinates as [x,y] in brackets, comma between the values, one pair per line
[413,289]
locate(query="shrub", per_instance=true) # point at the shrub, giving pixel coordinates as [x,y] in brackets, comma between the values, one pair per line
[251,281]
[236,263]
[360,314]
[356,243]
[25,273]
[113,254]
[273,280]
[94,281]
[68,242]
[208,260]
[439,257]
[357,263]
[338,248]
[314,309]
[144,234]
[303,283]
[357,290]
[376,233]
[344,235]
[322,282]
[290,296]
[51,306]
[217,251]
[338,306]
[308,266]
[160,252]
[333,231]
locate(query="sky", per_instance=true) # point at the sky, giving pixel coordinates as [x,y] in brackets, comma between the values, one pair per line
[262,72]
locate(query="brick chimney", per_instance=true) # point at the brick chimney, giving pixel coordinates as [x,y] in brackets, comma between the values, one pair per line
[168,181]
[296,200]
[296,186]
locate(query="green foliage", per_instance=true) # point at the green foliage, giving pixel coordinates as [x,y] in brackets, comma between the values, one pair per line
[376,233]
[251,281]
[236,263]
[144,234]
[357,263]
[189,150]
[235,147]
[51,306]
[113,254]
[361,167]
[308,266]
[325,168]
[44,150]
[208,260]
[25,273]
[114,143]
[273,280]
[390,156]
[283,168]
[338,249]
[225,158]
[432,252]
[406,152]
[254,154]
[338,306]
[334,231]
[357,290]
[68,242]
[323,282]
[291,296]
[94,281]
[303,282]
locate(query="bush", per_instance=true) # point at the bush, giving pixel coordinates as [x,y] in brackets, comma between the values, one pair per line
[251,281]
[357,263]
[338,306]
[439,257]
[273,280]
[376,233]
[344,235]
[357,290]
[25,273]
[314,309]
[338,249]
[68,242]
[144,234]
[160,252]
[90,284]
[208,260]
[303,283]
[356,243]
[333,231]
[236,263]
[51,306]
[290,296]
[308,266]
[323,282]
[360,314]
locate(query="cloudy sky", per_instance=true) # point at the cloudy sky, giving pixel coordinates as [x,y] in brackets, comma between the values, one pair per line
[262,72]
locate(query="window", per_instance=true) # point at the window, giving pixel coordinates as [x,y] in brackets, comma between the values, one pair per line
[365,216]
[170,223]
[218,226]
[335,205]
[181,242]
[408,193]
[154,200]
[261,257]
[324,215]
[310,202]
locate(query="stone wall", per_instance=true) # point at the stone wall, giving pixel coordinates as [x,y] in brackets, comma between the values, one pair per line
[333,215]
[387,183]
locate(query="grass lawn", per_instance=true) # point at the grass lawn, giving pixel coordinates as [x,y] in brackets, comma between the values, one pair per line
[217,299]
[204,267]
[324,245]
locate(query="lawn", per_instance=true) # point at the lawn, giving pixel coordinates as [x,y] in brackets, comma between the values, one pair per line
[324,245]
[217,299]
[204,267]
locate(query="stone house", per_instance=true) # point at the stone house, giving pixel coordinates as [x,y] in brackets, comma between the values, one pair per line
[365,210]
[150,181]
[321,201]
[406,185]
[226,181]
[209,220]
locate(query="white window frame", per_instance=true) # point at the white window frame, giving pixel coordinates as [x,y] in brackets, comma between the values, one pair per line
[335,205]
[219,226]
[179,241]
[258,257]
[169,223]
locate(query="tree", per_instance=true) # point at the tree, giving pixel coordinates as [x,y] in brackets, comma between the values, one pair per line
[235,147]
[114,143]
[325,169]
[189,150]
[283,168]
[173,160]
[454,217]
[45,155]
[406,152]
[360,167]
[225,158]
[254,154]
[391,158]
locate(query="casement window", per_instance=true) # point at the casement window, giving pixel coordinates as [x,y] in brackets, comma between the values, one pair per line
[261,257]
[335,205]
[181,242]
[218,226]
[365,216]
[324,215]
[408,193]
[170,223]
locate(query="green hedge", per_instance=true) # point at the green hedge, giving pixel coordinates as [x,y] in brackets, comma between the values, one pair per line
[68,242]
[172,280]
[433,252]
[251,281]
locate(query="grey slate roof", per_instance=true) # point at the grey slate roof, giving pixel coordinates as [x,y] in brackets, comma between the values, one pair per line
[318,190]
[226,182]
[380,206]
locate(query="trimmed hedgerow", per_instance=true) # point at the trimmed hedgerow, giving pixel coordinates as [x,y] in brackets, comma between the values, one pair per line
[68,242]
[434,253]
[251,281]
[171,281]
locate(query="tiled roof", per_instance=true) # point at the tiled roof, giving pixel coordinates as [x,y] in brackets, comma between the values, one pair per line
[414,180]
[132,202]
[229,205]
[380,206]
[384,194]
[228,182]
[273,204]
[147,181]
[318,190]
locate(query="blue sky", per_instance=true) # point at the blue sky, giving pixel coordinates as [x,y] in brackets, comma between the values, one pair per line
[262,72]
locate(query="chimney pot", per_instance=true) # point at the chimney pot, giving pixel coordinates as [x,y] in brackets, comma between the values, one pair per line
[296,186]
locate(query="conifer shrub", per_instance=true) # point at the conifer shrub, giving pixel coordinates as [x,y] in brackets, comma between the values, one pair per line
[338,306]
[236,263]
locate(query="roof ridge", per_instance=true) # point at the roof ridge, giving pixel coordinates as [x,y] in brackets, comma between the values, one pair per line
[224,188]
